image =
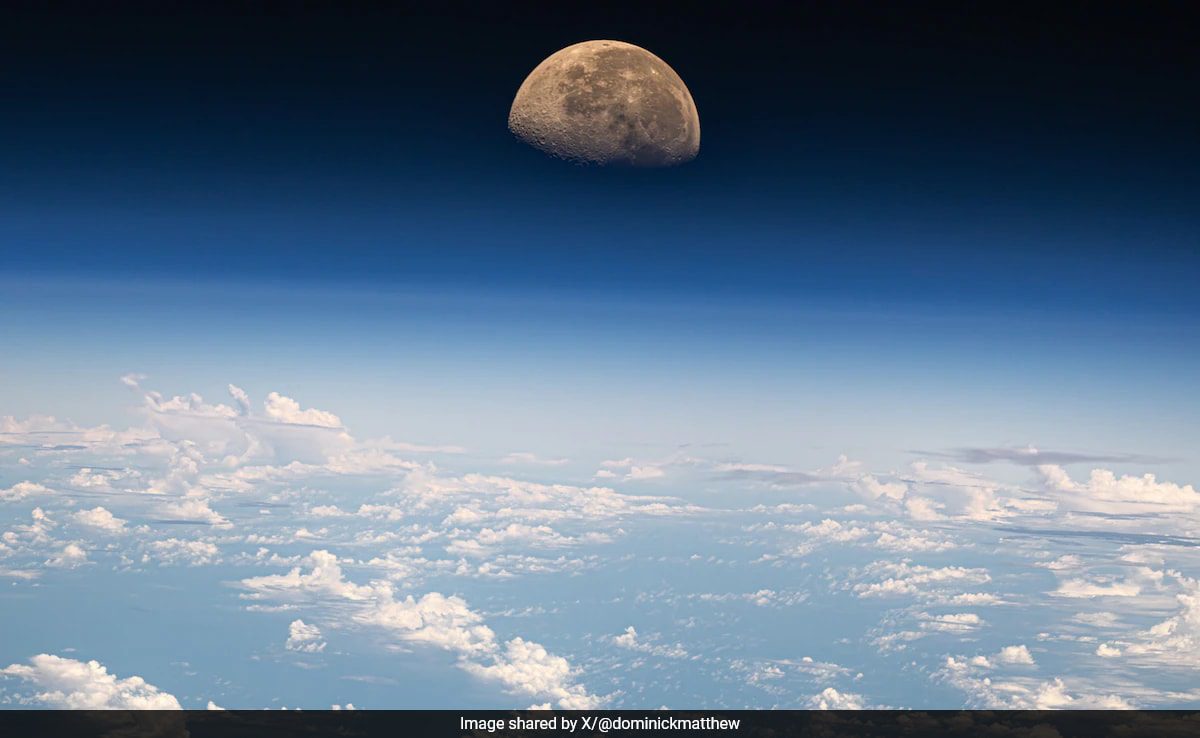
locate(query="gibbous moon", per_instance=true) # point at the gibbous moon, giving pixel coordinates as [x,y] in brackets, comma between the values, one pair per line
[607,102]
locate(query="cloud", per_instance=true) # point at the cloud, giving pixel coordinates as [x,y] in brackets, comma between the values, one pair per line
[1105,492]
[1080,588]
[324,579]
[176,551]
[1176,640]
[193,510]
[1108,651]
[434,619]
[887,535]
[79,685]
[526,458]
[1065,562]
[906,579]
[1022,693]
[281,433]
[779,477]
[960,622]
[831,699]
[634,471]
[954,491]
[1015,655]
[1030,456]
[304,638]
[760,598]
[486,540]
[629,640]
[529,502]
[23,490]
[100,519]
[527,668]
[70,557]
[286,410]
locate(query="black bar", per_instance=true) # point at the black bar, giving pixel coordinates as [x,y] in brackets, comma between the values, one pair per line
[664,723]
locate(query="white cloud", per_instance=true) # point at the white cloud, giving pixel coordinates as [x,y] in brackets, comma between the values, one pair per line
[629,639]
[906,579]
[1015,655]
[526,458]
[1105,492]
[959,622]
[193,509]
[1176,640]
[1084,589]
[634,470]
[304,638]
[1108,651]
[177,551]
[831,699]
[957,492]
[435,619]
[71,556]
[1021,693]
[1098,619]
[644,472]
[325,578]
[286,410]
[888,535]
[871,487]
[101,519]
[1062,563]
[79,685]
[527,668]
[23,490]
[486,540]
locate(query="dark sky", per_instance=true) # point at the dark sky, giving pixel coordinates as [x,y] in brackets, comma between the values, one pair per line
[951,153]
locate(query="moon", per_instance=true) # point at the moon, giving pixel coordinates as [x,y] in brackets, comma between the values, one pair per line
[607,103]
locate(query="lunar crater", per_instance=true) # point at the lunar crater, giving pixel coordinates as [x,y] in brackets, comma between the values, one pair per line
[607,103]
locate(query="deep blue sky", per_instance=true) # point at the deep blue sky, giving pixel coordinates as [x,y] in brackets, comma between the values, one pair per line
[919,242]
[923,155]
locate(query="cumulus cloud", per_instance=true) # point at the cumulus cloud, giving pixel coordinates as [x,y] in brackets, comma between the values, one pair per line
[630,640]
[100,519]
[434,619]
[324,578]
[1176,640]
[304,638]
[1105,492]
[888,535]
[193,510]
[177,551]
[286,410]
[1108,651]
[633,470]
[522,535]
[904,578]
[71,556]
[1015,655]
[1084,589]
[831,699]
[86,685]
[529,669]
[984,690]
[23,490]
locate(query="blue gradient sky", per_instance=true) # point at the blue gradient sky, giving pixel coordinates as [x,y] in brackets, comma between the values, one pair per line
[909,238]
